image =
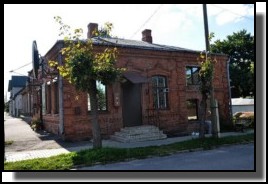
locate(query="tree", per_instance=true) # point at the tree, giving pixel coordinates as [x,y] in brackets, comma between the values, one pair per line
[83,67]
[240,48]
[206,78]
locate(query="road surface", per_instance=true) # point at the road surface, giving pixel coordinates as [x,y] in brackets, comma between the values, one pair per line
[233,157]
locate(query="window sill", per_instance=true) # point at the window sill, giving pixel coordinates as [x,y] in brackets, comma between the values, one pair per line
[99,112]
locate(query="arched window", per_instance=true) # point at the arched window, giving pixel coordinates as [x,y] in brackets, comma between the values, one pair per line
[160,92]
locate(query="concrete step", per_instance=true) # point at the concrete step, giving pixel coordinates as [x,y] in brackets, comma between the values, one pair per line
[138,134]
[140,129]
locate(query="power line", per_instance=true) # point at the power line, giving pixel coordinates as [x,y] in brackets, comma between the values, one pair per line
[157,9]
[20,74]
[232,12]
[20,67]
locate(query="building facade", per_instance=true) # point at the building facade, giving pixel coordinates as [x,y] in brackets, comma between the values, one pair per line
[160,87]
[15,86]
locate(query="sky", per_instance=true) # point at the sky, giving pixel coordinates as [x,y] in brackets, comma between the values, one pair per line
[179,25]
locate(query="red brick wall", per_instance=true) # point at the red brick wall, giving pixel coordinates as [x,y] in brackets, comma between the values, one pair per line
[78,125]
[148,63]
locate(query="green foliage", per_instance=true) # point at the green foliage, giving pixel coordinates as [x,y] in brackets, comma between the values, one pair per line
[59,162]
[206,74]
[240,48]
[36,124]
[83,66]
[82,63]
[6,106]
[211,36]
[104,31]
[252,68]
[108,155]
[8,143]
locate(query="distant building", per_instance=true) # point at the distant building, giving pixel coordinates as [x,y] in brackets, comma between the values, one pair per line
[242,105]
[15,85]
[160,87]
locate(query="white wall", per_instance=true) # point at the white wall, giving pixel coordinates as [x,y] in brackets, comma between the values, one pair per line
[15,90]
[13,108]
[18,104]
[239,108]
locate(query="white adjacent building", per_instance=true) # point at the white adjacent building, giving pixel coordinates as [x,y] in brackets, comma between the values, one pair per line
[242,105]
[15,86]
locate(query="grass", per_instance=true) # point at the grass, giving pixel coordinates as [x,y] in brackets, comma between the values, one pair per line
[8,143]
[108,155]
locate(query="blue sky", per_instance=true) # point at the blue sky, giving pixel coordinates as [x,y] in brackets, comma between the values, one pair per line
[178,25]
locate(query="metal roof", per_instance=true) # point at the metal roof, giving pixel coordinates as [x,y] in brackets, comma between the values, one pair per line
[126,43]
[17,81]
[242,101]
[119,42]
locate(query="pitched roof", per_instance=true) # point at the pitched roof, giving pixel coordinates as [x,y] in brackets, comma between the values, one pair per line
[120,42]
[17,81]
[126,43]
[9,85]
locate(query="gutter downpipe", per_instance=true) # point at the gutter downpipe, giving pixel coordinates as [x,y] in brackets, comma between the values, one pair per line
[60,88]
[229,89]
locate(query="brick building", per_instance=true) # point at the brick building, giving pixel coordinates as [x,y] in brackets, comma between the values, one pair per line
[160,87]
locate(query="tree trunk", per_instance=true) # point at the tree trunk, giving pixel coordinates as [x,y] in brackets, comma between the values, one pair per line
[97,143]
[203,114]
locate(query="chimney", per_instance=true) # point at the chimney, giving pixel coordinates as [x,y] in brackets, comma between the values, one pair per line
[91,27]
[146,36]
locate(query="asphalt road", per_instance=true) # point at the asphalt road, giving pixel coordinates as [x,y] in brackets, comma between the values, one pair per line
[234,157]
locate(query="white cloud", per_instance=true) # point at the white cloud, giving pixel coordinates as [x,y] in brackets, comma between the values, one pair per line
[225,13]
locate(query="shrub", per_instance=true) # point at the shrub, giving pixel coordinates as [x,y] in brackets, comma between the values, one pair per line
[8,143]
[6,107]
[36,124]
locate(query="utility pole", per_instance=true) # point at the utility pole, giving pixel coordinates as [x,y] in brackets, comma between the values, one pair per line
[206,27]
[214,119]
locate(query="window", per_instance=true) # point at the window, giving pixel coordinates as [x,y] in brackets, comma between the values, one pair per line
[160,90]
[48,99]
[43,95]
[56,98]
[192,108]
[192,75]
[102,97]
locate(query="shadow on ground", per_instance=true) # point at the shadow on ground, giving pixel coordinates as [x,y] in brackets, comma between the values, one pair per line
[59,142]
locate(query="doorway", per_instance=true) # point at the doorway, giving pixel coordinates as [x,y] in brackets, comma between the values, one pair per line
[132,115]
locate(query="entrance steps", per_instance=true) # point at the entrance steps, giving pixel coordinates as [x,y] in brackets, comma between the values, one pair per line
[138,134]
